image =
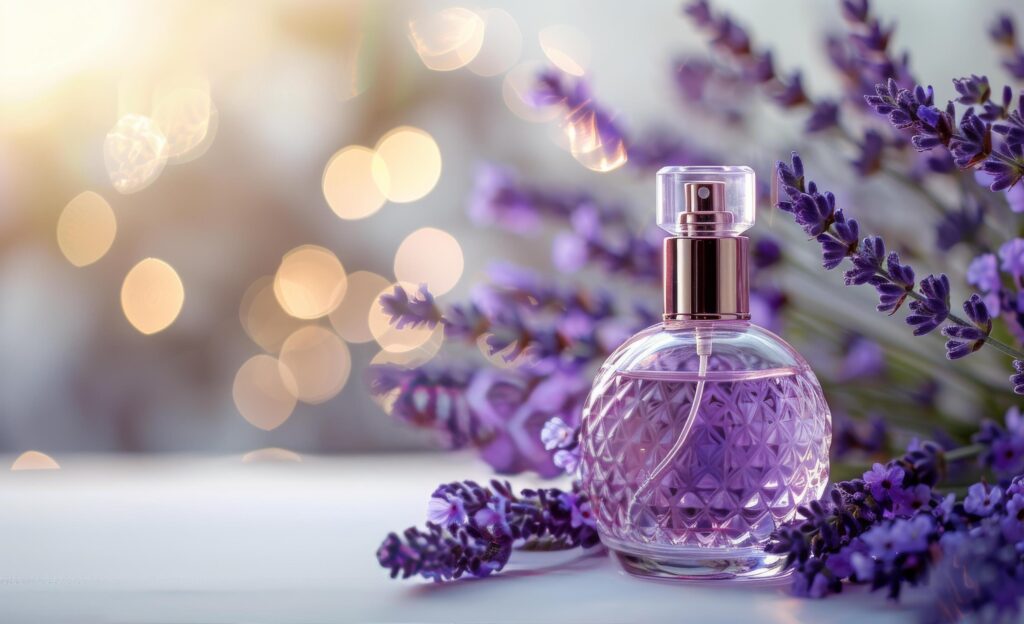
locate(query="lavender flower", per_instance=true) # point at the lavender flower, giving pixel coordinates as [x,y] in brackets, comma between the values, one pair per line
[1011,257]
[824,116]
[491,522]
[982,499]
[1004,34]
[972,90]
[966,339]
[1004,446]
[883,480]
[958,226]
[930,311]
[1017,379]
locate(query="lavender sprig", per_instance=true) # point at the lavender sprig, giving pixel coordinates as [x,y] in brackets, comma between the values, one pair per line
[816,213]
[473,529]
[1004,34]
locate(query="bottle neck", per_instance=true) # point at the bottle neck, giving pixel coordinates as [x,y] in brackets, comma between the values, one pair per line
[706,278]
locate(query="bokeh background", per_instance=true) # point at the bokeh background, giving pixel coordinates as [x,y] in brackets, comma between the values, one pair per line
[200,200]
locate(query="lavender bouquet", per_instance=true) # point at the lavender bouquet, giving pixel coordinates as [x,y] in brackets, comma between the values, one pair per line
[948,512]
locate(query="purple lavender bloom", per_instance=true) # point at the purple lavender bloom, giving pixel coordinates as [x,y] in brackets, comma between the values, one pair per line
[900,105]
[867,262]
[882,542]
[982,500]
[993,110]
[446,511]
[869,156]
[581,511]
[1017,379]
[1002,31]
[567,459]
[495,520]
[959,226]
[409,311]
[864,358]
[556,434]
[497,199]
[1005,165]
[973,143]
[909,501]
[813,211]
[884,480]
[766,253]
[966,339]
[835,248]
[972,90]
[1011,255]
[824,116]
[983,272]
[791,176]
[930,312]
[893,290]
[1004,446]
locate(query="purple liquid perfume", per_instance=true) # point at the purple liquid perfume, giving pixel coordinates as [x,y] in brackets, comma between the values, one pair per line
[704,432]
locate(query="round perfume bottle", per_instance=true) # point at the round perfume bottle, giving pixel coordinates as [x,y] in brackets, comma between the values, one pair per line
[705,432]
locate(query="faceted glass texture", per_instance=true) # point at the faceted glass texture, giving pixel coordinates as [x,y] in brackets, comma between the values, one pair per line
[756,449]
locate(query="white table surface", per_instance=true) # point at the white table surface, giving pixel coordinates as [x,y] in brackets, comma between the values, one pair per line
[194,539]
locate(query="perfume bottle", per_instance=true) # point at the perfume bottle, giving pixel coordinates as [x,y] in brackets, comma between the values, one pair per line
[704,432]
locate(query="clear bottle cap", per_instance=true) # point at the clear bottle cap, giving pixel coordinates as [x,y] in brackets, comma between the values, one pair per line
[706,200]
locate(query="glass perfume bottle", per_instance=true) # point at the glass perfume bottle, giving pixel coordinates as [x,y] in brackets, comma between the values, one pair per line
[703,432]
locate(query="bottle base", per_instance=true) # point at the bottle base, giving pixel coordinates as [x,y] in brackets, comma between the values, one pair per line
[701,564]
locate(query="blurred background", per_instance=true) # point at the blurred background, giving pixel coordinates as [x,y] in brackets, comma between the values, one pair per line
[199,201]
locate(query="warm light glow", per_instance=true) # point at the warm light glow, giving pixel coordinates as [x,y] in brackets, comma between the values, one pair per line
[152,295]
[501,359]
[406,164]
[589,148]
[264,392]
[429,256]
[516,89]
[263,318]
[349,319]
[310,282]
[348,183]
[184,117]
[448,39]
[86,229]
[502,45]
[135,152]
[319,363]
[271,455]
[34,460]
[567,48]
[44,42]
[416,356]
[389,337]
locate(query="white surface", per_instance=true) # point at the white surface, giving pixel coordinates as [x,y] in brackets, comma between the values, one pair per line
[185,539]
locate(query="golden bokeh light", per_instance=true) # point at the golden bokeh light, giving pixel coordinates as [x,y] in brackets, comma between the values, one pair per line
[406,164]
[502,45]
[310,282]
[270,455]
[389,337]
[264,392]
[318,361]
[429,256]
[589,148]
[348,183]
[263,318]
[516,89]
[350,318]
[447,39]
[86,229]
[34,460]
[184,117]
[567,48]
[135,152]
[152,295]
[417,356]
